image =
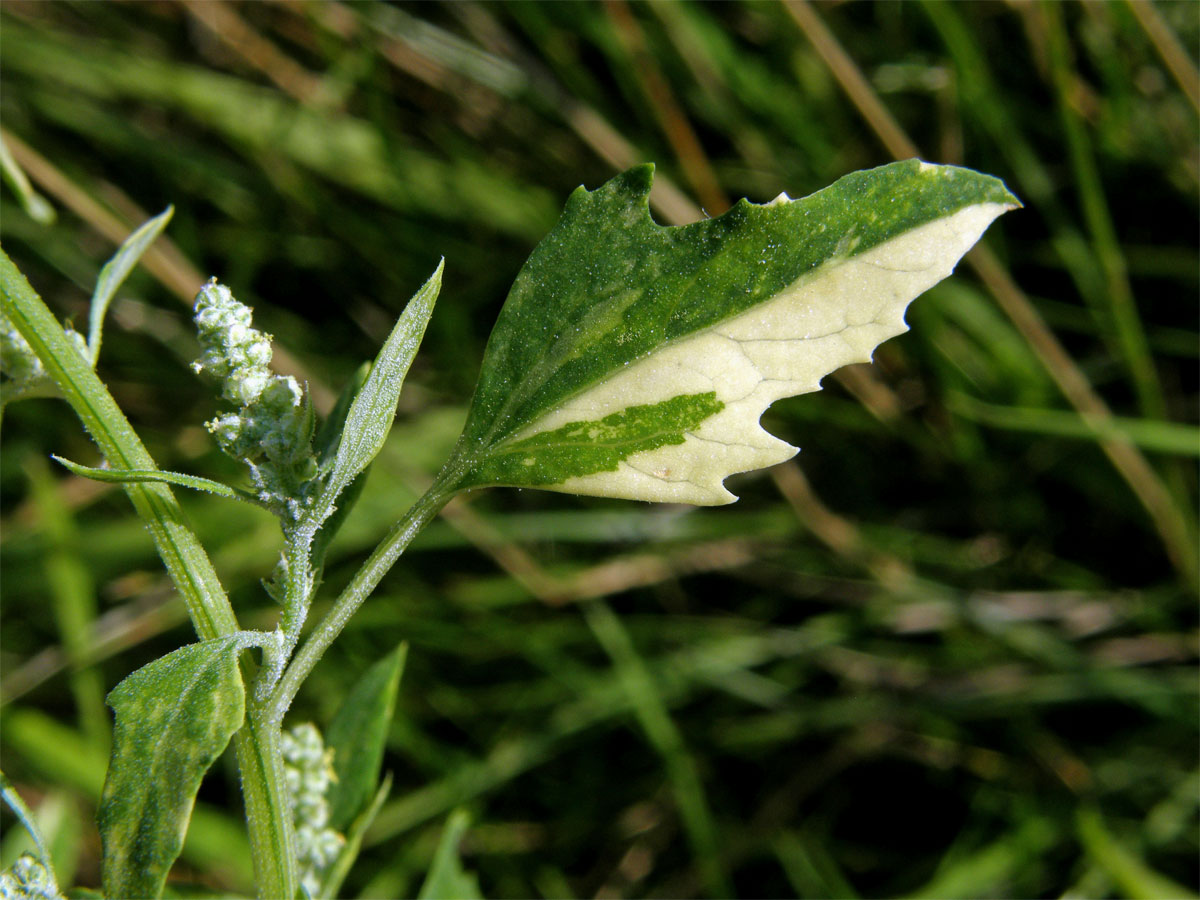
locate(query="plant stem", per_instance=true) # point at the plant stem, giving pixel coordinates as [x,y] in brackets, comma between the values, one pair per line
[181,552]
[365,581]
[267,808]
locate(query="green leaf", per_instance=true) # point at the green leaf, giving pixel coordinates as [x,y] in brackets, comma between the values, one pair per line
[374,407]
[1121,863]
[181,891]
[357,735]
[325,444]
[337,872]
[137,476]
[116,270]
[16,803]
[447,880]
[35,205]
[634,360]
[174,717]
[1156,436]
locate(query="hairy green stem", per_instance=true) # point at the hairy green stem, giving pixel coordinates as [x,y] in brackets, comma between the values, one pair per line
[181,552]
[267,805]
[365,581]
[268,808]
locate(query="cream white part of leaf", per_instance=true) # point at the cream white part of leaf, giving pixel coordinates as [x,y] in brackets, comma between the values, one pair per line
[830,317]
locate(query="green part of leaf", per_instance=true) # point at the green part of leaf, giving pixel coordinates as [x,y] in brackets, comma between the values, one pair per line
[16,803]
[1155,436]
[185,891]
[137,476]
[337,872]
[174,717]
[613,311]
[581,448]
[374,406]
[333,524]
[35,205]
[357,735]
[447,880]
[325,444]
[116,270]
[1121,863]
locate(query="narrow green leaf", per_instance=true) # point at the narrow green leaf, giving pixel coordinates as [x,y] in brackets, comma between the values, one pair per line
[182,891]
[1176,438]
[337,872]
[16,803]
[325,444]
[35,205]
[447,880]
[357,736]
[652,714]
[634,360]
[1121,862]
[374,406]
[174,717]
[73,594]
[136,476]
[116,270]
[332,525]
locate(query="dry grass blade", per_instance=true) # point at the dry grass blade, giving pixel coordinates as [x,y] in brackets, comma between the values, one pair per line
[1173,53]
[671,118]
[1127,459]
[163,260]
[223,21]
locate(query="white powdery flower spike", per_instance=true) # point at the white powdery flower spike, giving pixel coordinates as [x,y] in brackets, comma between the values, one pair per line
[28,879]
[233,351]
[308,773]
[272,430]
[18,362]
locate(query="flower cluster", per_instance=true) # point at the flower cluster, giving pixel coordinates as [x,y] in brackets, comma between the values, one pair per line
[17,359]
[28,879]
[271,432]
[308,768]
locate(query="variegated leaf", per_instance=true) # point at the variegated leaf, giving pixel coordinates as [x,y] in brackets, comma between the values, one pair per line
[634,360]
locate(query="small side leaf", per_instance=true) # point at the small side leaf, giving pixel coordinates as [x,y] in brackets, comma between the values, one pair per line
[374,407]
[35,205]
[43,868]
[174,717]
[345,504]
[134,476]
[447,880]
[16,803]
[336,873]
[633,360]
[325,444]
[116,270]
[357,735]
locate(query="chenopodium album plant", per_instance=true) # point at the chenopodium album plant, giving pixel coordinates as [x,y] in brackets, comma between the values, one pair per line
[630,360]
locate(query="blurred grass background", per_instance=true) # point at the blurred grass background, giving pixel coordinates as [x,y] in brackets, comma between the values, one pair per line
[950,651]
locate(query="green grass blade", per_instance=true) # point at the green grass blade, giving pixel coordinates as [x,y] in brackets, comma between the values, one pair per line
[662,733]
[116,270]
